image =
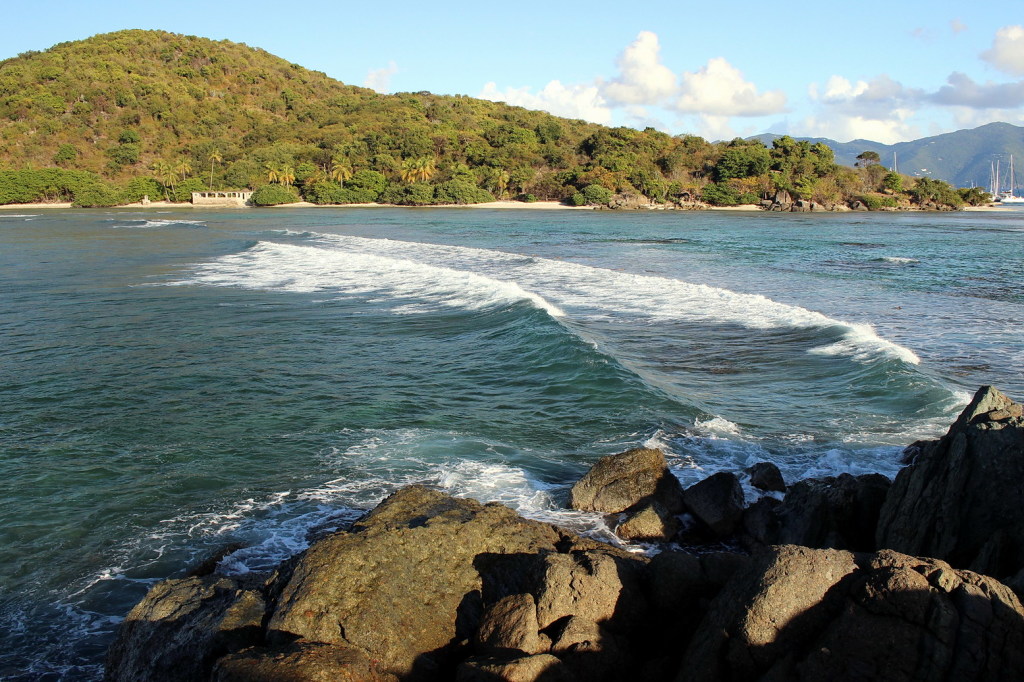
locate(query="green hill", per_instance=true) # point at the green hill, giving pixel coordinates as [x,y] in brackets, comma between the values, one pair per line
[963,158]
[118,103]
[108,119]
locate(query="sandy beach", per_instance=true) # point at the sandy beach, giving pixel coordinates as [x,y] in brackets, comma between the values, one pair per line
[543,205]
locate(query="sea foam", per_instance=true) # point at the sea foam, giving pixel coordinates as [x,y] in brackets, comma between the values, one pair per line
[420,277]
[416,285]
[145,224]
[583,291]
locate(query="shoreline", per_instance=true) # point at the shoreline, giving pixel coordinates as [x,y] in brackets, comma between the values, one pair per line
[497,205]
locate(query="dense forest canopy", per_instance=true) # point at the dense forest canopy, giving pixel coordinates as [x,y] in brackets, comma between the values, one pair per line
[108,119]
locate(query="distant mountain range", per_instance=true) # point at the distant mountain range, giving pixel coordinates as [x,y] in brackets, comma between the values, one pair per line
[963,158]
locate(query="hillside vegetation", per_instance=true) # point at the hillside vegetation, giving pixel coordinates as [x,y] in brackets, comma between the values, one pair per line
[117,116]
[963,158]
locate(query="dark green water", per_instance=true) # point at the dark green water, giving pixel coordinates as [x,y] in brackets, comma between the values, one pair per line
[174,382]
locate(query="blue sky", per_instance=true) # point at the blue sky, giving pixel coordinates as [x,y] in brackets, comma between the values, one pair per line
[886,71]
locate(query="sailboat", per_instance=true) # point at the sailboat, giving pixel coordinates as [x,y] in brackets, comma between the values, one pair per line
[1008,198]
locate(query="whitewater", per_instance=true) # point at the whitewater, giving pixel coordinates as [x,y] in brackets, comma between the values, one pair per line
[179,382]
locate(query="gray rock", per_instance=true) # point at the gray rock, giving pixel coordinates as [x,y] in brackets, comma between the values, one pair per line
[835,512]
[717,501]
[801,614]
[182,626]
[617,482]
[766,476]
[648,522]
[961,498]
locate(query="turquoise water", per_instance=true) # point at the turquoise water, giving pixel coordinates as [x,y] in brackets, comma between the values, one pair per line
[172,382]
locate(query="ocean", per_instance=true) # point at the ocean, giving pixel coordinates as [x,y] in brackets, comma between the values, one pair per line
[175,381]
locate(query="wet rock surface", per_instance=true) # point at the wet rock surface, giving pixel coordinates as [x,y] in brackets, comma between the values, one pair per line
[431,587]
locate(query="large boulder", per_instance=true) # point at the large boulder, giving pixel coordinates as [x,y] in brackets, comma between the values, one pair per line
[717,501]
[766,476]
[618,482]
[962,498]
[835,512]
[648,522]
[796,613]
[403,586]
[181,627]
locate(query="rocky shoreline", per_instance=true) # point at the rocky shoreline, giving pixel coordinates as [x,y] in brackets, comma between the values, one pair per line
[845,578]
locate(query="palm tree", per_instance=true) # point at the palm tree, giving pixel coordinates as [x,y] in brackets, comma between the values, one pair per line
[418,170]
[286,176]
[339,172]
[183,167]
[425,168]
[501,180]
[408,171]
[165,175]
[214,157]
[273,174]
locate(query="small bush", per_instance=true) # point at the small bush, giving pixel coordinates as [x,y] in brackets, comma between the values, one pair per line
[415,194]
[875,202]
[274,195]
[597,195]
[718,194]
[142,187]
[461,192]
[183,190]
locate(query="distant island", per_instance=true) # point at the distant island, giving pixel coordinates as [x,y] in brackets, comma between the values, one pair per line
[136,114]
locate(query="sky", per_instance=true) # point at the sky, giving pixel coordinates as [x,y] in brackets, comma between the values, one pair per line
[882,71]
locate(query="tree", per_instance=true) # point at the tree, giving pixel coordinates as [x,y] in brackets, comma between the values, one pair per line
[893,182]
[865,159]
[183,167]
[419,169]
[273,195]
[214,157]
[742,162]
[597,195]
[287,176]
[65,154]
[165,175]
[340,172]
[273,174]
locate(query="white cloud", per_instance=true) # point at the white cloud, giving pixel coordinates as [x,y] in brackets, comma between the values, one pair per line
[879,109]
[380,79]
[642,78]
[718,89]
[880,94]
[962,90]
[844,128]
[572,101]
[1007,51]
[957,26]
[965,117]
